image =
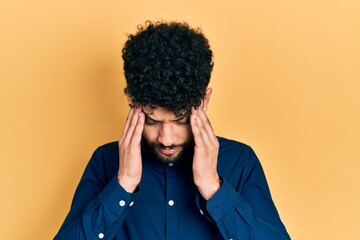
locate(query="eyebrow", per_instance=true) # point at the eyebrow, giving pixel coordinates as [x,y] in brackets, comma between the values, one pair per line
[175,120]
[148,117]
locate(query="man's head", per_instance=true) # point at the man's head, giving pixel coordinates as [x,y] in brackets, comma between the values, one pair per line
[167,68]
[167,65]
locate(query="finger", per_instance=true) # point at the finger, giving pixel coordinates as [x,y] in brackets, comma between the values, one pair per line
[132,125]
[127,123]
[206,125]
[198,137]
[203,130]
[136,137]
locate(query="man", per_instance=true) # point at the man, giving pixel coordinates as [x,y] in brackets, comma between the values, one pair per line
[169,176]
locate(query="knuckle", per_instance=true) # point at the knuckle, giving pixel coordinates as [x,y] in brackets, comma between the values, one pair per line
[133,124]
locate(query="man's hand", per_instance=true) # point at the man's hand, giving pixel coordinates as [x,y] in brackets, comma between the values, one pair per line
[206,150]
[130,167]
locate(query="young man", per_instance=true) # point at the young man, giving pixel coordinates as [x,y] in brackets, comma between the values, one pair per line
[169,176]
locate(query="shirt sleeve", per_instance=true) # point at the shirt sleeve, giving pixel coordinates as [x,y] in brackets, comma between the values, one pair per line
[99,206]
[246,210]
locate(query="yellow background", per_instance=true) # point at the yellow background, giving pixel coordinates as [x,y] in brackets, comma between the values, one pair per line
[286,82]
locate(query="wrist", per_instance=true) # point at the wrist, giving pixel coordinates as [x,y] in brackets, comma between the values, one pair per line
[208,188]
[127,184]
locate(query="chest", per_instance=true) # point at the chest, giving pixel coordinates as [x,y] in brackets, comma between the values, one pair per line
[165,208]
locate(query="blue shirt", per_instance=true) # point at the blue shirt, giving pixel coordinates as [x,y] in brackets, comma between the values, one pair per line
[167,204]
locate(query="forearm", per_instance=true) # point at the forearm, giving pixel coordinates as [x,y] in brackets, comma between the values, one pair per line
[101,218]
[236,219]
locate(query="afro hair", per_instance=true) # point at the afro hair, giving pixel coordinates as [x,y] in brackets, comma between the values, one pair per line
[167,65]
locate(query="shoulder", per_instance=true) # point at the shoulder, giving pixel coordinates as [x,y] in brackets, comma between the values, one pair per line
[106,152]
[236,162]
[234,154]
[232,147]
[105,159]
[108,148]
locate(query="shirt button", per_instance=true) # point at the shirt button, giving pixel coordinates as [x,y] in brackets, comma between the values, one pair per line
[171,164]
[132,203]
[171,203]
[122,203]
[101,235]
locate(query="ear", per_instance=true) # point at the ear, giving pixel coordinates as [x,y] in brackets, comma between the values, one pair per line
[207,98]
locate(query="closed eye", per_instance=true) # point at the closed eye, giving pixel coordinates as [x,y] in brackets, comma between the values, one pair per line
[150,121]
[184,120]
[181,121]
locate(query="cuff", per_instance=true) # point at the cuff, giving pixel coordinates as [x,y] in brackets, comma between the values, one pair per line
[222,201]
[115,198]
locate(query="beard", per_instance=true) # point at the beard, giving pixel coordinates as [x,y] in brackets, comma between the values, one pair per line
[185,153]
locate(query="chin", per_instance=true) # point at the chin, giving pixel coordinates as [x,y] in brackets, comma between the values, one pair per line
[170,158]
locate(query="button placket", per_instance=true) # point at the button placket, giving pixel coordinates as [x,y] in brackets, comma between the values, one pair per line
[171,210]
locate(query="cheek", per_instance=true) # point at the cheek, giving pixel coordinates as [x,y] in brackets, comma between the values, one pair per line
[186,134]
[150,133]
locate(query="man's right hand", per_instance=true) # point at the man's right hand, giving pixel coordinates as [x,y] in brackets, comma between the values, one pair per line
[130,165]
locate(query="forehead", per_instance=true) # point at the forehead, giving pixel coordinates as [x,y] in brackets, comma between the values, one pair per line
[162,114]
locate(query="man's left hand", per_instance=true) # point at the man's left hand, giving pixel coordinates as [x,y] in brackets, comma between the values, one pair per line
[206,150]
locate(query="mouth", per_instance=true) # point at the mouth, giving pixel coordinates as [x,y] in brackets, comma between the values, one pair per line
[168,151]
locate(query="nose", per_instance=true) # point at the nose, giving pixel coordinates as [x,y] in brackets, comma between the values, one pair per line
[167,135]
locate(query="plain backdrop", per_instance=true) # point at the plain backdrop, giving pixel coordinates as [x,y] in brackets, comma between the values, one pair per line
[285,81]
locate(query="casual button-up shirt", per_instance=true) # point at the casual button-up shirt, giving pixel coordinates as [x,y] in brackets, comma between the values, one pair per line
[167,204]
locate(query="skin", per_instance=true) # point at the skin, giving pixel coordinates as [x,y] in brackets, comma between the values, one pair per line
[162,127]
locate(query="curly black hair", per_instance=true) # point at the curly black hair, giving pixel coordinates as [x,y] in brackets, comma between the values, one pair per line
[167,64]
